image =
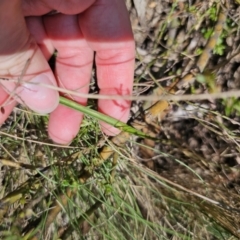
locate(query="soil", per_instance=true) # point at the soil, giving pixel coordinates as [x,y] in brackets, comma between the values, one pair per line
[201,135]
[188,123]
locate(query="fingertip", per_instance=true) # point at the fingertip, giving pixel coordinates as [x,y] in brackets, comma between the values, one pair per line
[64,124]
[118,109]
[66,140]
[117,114]
[108,129]
[39,95]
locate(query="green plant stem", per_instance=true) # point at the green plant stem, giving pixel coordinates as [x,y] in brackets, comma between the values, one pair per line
[102,117]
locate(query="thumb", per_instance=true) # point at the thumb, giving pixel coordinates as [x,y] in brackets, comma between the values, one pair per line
[28,79]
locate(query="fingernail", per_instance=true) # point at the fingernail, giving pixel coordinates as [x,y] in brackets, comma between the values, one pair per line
[37,97]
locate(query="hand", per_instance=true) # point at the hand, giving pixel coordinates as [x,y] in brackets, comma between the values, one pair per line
[80,29]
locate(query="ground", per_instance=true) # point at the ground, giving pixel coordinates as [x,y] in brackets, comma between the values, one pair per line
[181,184]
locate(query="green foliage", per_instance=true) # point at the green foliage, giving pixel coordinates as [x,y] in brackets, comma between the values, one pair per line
[212,13]
[208,79]
[220,46]
[198,51]
[232,105]
[207,32]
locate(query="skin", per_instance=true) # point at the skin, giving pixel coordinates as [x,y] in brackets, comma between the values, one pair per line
[81,29]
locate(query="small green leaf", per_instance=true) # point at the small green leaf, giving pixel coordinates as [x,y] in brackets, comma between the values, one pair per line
[201,78]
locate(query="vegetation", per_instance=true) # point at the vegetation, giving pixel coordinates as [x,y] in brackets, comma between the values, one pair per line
[172,173]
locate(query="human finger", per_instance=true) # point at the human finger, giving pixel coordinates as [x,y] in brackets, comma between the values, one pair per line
[106,27]
[36,27]
[41,7]
[72,70]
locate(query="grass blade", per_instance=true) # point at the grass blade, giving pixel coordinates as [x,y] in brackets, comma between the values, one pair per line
[102,117]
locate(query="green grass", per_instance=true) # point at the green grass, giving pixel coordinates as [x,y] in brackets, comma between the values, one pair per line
[132,203]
